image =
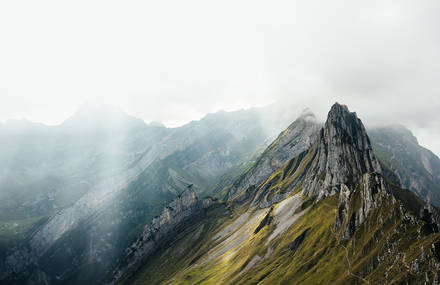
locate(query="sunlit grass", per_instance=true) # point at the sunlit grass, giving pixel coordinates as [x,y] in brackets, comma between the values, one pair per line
[14,228]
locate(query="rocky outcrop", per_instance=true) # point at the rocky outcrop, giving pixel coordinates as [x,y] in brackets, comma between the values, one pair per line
[296,139]
[322,161]
[355,206]
[136,173]
[344,163]
[160,231]
[415,167]
[376,237]
[333,159]
[344,154]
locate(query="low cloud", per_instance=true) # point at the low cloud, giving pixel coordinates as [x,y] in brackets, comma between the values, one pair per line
[174,62]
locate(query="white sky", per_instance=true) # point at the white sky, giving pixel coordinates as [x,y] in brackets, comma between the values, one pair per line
[174,61]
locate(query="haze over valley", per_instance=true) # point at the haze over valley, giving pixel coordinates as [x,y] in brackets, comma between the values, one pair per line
[238,142]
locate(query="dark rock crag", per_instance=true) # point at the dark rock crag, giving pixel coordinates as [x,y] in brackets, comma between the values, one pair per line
[343,155]
[161,230]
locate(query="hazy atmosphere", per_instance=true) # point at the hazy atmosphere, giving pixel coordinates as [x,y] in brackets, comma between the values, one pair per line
[219,142]
[175,61]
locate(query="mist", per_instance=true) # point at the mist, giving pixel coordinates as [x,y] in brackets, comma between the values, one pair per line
[155,142]
[174,62]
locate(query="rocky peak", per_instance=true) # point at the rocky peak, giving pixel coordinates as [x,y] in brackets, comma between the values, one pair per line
[290,143]
[344,153]
[370,192]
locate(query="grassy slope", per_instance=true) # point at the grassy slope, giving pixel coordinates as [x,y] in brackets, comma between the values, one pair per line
[11,229]
[320,259]
[248,171]
[380,252]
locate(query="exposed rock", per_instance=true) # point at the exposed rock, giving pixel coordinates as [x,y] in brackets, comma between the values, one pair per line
[371,192]
[296,139]
[298,241]
[376,230]
[416,168]
[339,160]
[344,154]
[130,175]
[284,216]
[343,205]
[158,232]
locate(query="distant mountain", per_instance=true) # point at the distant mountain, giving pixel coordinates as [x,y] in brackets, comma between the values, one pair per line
[46,168]
[321,214]
[417,168]
[90,184]
[101,118]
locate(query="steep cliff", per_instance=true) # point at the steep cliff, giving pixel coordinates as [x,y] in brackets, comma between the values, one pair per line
[131,174]
[416,168]
[343,154]
[164,228]
[297,138]
[326,215]
[316,207]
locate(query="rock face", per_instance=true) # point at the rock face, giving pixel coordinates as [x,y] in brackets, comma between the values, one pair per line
[333,219]
[355,206]
[129,179]
[161,230]
[321,161]
[343,155]
[297,138]
[416,168]
[337,159]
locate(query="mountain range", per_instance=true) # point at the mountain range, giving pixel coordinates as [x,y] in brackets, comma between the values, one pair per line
[105,198]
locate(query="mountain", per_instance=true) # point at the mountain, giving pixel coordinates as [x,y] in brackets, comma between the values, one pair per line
[296,139]
[317,210]
[46,169]
[320,204]
[82,191]
[416,167]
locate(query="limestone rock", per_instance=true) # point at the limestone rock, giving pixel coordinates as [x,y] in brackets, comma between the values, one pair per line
[185,206]
[344,154]
[297,138]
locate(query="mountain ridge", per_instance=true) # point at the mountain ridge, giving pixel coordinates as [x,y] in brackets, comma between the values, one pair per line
[269,217]
[129,179]
[285,240]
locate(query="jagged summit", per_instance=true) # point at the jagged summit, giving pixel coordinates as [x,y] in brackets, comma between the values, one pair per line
[313,208]
[318,158]
[269,233]
[343,153]
[291,143]
[337,106]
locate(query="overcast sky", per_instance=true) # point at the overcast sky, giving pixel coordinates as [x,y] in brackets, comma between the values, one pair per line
[174,61]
